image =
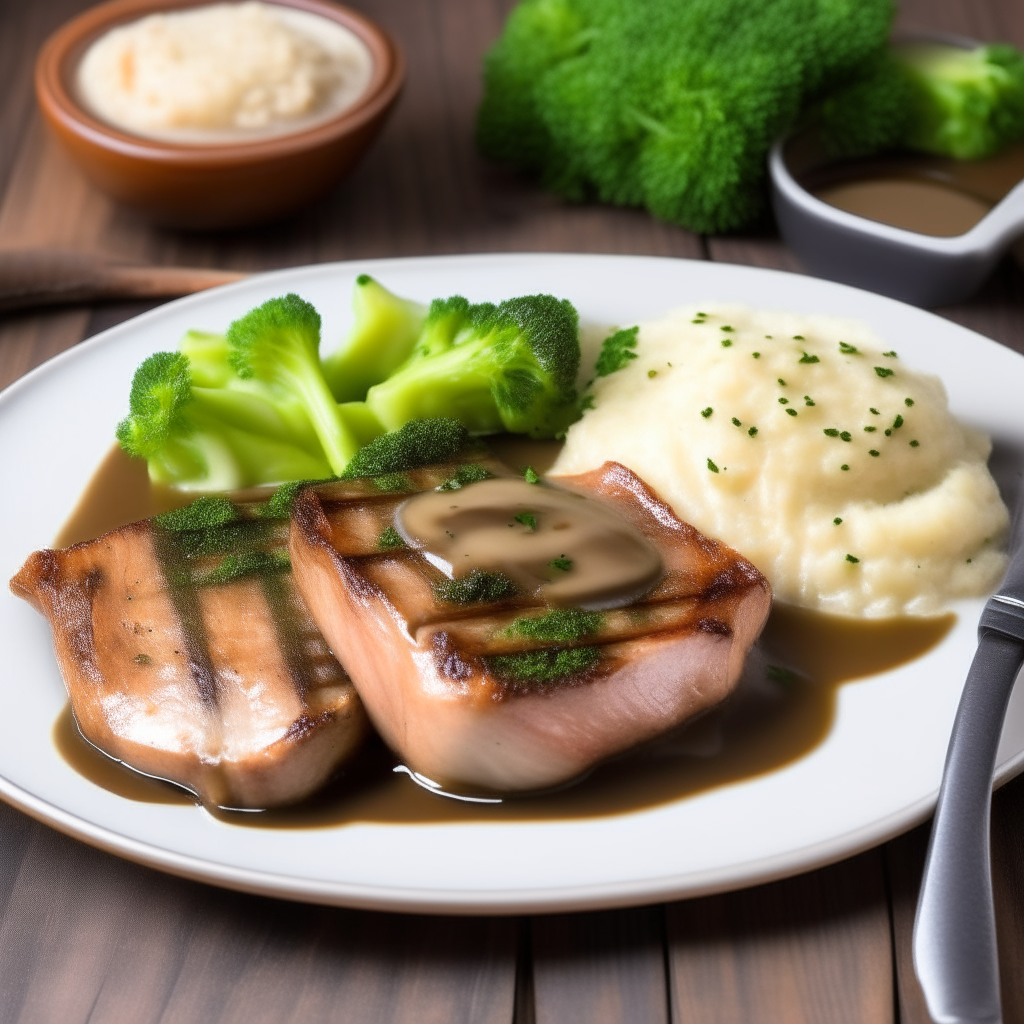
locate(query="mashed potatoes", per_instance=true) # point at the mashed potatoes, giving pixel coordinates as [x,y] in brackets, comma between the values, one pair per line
[223,71]
[827,462]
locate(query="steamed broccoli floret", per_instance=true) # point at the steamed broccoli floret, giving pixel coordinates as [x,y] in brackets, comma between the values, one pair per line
[419,443]
[507,367]
[932,97]
[278,344]
[207,438]
[385,330]
[667,104]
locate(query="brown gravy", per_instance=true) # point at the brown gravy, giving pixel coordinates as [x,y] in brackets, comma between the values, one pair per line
[782,710]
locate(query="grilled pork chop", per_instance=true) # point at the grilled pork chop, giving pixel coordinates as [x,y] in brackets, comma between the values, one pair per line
[489,687]
[189,655]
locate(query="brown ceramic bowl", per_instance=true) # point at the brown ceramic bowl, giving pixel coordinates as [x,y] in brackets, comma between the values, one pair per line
[220,185]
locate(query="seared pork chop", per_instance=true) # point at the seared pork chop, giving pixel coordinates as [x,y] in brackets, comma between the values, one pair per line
[489,687]
[189,655]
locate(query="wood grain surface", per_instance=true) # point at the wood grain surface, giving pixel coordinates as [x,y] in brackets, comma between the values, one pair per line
[85,937]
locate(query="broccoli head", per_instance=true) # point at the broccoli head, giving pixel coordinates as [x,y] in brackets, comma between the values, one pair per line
[507,367]
[667,104]
[386,328]
[932,97]
[417,443]
[278,345]
[206,438]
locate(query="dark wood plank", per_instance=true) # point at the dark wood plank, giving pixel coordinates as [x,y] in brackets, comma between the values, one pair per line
[606,968]
[88,937]
[814,948]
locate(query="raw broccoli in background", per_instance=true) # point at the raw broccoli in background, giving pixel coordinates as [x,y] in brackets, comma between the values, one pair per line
[936,98]
[667,104]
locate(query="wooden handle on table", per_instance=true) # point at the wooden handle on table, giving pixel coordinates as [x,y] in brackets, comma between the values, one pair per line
[48,277]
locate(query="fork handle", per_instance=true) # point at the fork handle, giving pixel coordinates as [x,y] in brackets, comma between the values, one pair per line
[955,953]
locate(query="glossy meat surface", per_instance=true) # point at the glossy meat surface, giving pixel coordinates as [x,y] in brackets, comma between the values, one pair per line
[216,680]
[430,673]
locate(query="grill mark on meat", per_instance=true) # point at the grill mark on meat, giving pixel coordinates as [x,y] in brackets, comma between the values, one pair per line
[715,626]
[185,600]
[449,662]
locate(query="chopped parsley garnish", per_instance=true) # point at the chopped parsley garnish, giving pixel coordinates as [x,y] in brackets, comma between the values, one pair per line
[891,355]
[888,431]
[808,400]
[652,373]
[562,564]
[845,436]
[698,321]
[805,358]
[727,328]
[837,520]
[390,539]
[783,401]
[844,467]
[908,401]
[914,444]
[782,383]
[874,412]
[616,351]
[712,466]
[726,343]
[475,587]
[791,412]
[884,371]
[546,666]
[756,355]
[706,412]
[872,452]
[246,563]
[561,624]
[530,475]
[527,519]
[831,432]
[799,337]
[852,558]
[736,422]
[848,350]
[871,430]
[897,423]
[463,475]
[752,431]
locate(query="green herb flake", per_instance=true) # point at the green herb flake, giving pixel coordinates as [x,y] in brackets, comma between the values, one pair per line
[808,400]
[914,444]
[871,430]
[844,467]
[897,423]
[752,431]
[562,564]
[476,587]
[727,329]
[564,625]
[845,436]
[203,514]
[616,351]
[706,412]
[799,337]
[848,350]
[884,371]
[469,474]
[791,412]
[908,402]
[712,466]
[531,476]
[873,453]
[888,431]
[726,343]
[736,422]
[545,666]
[390,539]
[652,373]
[782,383]
[837,521]
[698,321]
[756,355]
[783,401]
[853,559]
[805,358]
[891,355]
[831,432]
[874,412]
[527,519]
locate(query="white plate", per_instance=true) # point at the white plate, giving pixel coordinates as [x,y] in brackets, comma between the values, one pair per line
[875,774]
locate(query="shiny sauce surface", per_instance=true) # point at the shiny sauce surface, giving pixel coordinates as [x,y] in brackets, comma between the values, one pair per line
[560,546]
[782,709]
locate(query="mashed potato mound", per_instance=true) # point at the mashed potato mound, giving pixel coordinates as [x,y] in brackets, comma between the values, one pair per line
[827,462]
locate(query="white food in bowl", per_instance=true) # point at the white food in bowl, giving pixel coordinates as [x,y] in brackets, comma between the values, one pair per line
[921,523]
[223,72]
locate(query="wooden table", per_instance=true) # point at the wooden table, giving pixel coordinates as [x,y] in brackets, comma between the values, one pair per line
[88,937]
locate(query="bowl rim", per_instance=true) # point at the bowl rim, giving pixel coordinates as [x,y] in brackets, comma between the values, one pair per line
[66,45]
